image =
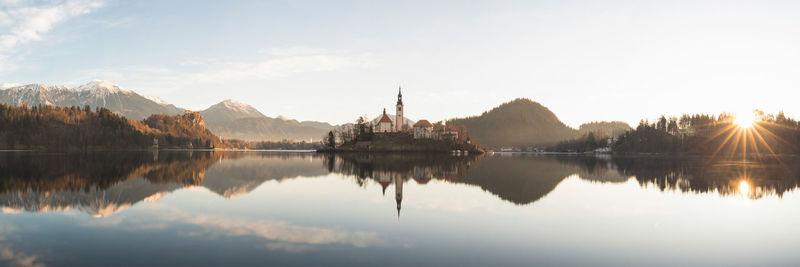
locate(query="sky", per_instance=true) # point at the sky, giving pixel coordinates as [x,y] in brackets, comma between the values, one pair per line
[336,60]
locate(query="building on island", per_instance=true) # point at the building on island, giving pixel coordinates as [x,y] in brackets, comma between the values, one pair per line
[384,124]
[450,132]
[423,129]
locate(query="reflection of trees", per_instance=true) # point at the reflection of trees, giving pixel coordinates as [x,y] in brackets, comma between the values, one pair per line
[524,179]
[766,177]
[103,183]
[594,168]
[384,166]
[520,180]
[75,172]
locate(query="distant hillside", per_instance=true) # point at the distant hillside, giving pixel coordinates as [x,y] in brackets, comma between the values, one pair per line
[94,94]
[604,128]
[73,128]
[229,110]
[266,129]
[189,126]
[521,122]
[234,120]
[227,119]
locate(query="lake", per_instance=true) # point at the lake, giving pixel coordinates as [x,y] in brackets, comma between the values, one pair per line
[203,208]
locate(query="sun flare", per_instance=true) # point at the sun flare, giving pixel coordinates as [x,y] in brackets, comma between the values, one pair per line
[745,119]
[744,187]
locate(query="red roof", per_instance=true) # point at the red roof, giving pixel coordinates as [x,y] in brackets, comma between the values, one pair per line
[384,185]
[423,123]
[385,118]
[451,128]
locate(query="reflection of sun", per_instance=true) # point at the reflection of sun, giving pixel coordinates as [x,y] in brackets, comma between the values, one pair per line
[745,119]
[744,188]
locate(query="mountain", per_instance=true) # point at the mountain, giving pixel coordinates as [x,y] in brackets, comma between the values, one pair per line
[95,94]
[227,119]
[230,119]
[317,124]
[521,122]
[229,110]
[604,128]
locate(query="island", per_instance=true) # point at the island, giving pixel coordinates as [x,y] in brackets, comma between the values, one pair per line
[398,134]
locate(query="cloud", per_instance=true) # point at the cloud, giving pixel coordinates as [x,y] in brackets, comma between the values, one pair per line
[280,235]
[8,255]
[12,258]
[21,24]
[274,63]
[290,237]
[294,51]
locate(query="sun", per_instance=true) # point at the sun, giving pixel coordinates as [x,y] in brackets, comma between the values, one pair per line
[745,119]
[744,188]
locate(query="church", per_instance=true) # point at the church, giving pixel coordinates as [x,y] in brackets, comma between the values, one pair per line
[385,124]
[423,129]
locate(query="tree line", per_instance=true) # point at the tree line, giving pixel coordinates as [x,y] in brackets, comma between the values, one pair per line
[701,134]
[75,128]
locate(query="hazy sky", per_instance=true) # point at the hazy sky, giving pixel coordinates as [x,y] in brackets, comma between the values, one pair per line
[335,60]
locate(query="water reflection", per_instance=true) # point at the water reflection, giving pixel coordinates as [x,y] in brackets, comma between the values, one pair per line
[751,179]
[102,184]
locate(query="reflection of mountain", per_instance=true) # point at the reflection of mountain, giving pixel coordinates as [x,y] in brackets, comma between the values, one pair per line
[104,183]
[521,180]
[231,178]
[96,202]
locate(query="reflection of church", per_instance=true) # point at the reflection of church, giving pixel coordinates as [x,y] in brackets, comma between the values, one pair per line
[420,174]
[385,179]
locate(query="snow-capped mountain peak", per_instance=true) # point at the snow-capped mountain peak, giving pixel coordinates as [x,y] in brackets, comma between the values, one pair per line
[236,105]
[158,100]
[101,86]
[94,94]
[4,86]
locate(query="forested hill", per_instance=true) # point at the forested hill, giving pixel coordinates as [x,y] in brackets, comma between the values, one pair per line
[604,128]
[73,128]
[521,122]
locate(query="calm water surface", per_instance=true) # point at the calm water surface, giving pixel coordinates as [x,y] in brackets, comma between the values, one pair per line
[301,209]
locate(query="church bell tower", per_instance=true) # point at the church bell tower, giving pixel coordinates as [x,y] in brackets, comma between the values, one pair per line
[399,115]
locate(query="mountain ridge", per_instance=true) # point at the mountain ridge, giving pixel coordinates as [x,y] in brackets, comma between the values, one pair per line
[94,94]
[520,122]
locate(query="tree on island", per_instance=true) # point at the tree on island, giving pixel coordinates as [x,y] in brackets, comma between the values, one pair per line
[330,141]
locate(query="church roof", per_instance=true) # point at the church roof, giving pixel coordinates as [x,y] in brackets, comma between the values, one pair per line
[385,118]
[384,185]
[423,123]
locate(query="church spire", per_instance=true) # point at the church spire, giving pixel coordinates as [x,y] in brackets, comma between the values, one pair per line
[399,96]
